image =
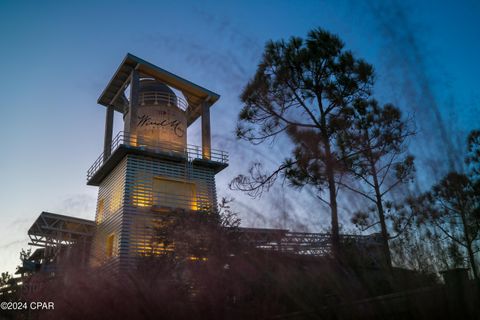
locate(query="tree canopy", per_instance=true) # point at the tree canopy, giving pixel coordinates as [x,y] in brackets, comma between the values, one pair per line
[374,146]
[305,89]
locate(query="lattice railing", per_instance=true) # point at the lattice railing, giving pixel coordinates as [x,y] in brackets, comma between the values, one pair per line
[190,152]
[302,243]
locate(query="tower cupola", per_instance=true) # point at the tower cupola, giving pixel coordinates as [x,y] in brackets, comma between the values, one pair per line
[161,117]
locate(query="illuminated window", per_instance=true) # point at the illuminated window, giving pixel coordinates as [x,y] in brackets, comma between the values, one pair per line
[100,210]
[110,245]
[142,195]
[116,198]
[174,194]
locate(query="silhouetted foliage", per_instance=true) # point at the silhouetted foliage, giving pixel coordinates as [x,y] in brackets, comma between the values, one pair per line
[185,235]
[455,209]
[303,89]
[227,279]
[24,254]
[419,245]
[5,278]
[374,147]
[473,153]
[446,229]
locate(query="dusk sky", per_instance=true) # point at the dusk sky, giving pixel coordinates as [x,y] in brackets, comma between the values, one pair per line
[56,58]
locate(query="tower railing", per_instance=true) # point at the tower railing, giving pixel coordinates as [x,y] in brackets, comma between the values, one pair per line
[155,98]
[189,152]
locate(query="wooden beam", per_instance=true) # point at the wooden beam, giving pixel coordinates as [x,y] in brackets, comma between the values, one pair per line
[134,99]
[120,92]
[68,232]
[107,144]
[194,93]
[206,135]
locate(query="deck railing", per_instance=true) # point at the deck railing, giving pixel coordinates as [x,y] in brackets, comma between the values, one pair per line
[304,243]
[189,152]
[155,98]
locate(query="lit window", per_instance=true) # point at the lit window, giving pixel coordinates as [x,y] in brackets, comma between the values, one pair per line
[110,245]
[116,198]
[142,194]
[100,210]
[174,194]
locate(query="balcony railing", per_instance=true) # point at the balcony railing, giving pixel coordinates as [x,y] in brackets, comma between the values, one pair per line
[189,152]
[154,98]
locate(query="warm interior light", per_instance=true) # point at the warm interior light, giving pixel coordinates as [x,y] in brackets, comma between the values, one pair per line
[110,245]
[193,258]
[155,249]
[173,193]
[100,210]
[142,196]
[131,139]
[116,199]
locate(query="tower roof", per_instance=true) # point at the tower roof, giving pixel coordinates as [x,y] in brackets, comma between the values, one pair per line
[195,94]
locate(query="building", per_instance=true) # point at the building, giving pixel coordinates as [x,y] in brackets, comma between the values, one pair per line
[148,170]
[148,173]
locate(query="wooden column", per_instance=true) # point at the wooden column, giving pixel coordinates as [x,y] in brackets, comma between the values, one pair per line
[133,118]
[206,136]
[107,144]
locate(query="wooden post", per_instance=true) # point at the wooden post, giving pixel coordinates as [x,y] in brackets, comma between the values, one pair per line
[134,89]
[107,144]
[206,136]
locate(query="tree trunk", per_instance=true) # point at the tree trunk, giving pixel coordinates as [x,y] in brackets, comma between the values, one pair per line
[471,256]
[333,199]
[330,172]
[334,213]
[381,216]
[379,204]
[384,233]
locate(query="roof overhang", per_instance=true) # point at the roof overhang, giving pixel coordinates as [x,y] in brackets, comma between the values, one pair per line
[195,95]
[59,229]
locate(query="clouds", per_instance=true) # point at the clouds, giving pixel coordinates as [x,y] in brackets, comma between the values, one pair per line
[411,74]
[20,224]
[79,205]
[11,244]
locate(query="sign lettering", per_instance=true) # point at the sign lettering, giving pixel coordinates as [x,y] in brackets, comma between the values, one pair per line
[175,125]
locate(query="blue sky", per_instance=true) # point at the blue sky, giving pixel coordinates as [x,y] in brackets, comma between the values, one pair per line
[56,58]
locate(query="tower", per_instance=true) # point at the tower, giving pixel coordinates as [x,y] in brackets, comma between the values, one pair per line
[148,170]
